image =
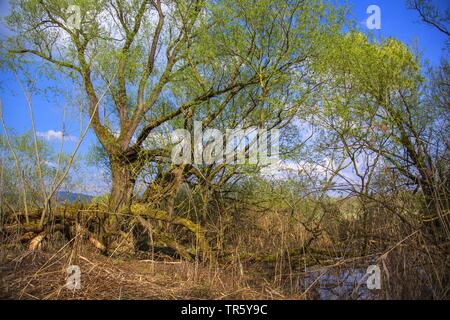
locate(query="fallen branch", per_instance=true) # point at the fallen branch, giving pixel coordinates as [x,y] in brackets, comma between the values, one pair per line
[169,241]
[141,210]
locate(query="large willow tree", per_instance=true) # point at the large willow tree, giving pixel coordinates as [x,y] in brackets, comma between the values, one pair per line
[158,60]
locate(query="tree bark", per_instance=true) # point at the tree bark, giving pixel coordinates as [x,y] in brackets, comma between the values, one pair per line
[123,182]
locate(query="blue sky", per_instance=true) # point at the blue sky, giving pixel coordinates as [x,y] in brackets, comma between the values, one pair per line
[405,25]
[396,21]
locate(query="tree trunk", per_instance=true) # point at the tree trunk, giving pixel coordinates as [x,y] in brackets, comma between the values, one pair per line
[177,180]
[436,219]
[123,181]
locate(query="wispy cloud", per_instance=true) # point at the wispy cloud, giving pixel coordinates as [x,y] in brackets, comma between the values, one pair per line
[55,135]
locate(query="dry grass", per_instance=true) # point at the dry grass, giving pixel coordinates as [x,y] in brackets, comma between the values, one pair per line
[42,275]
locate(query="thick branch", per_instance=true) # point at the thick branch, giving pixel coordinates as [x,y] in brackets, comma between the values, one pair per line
[48,58]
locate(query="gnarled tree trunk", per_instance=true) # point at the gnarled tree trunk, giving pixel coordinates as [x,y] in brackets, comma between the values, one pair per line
[123,181]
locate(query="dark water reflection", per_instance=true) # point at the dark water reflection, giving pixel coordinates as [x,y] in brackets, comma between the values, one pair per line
[338,284]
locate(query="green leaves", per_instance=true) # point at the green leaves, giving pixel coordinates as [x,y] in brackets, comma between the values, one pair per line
[373,68]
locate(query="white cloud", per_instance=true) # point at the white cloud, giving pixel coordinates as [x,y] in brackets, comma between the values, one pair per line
[55,135]
[285,168]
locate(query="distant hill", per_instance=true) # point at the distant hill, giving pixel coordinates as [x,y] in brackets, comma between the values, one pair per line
[73,197]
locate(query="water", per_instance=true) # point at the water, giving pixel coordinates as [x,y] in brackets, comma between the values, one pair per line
[338,283]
